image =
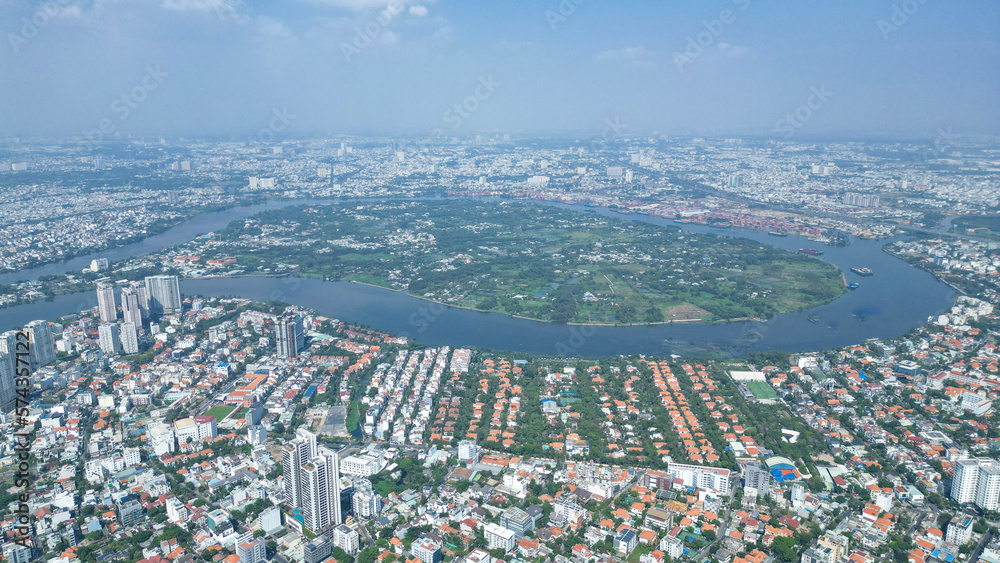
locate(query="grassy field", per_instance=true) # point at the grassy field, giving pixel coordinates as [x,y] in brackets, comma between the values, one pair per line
[219,411]
[353,416]
[540,262]
[983,225]
[761,390]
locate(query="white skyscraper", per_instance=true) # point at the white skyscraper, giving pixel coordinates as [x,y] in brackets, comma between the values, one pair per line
[8,368]
[294,455]
[42,344]
[129,337]
[965,482]
[131,309]
[106,302]
[6,382]
[366,503]
[290,338]
[108,339]
[321,490]
[164,294]
[143,297]
[250,549]
[988,487]
[312,480]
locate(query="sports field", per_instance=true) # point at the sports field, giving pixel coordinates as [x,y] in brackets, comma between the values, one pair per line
[219,411]
[761,390]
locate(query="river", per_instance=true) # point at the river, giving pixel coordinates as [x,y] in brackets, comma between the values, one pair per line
[895,300]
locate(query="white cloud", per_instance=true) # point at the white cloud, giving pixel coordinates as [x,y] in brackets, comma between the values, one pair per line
[734,51]
[363,5]
[419,11]
[273,28]
[199,5]
[638,57]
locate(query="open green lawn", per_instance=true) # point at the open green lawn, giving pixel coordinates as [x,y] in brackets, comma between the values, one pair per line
[219,411]
[761,390]
[988,225]
[353,420]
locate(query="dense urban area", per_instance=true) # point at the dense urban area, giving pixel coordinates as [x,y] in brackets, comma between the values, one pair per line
[164,427]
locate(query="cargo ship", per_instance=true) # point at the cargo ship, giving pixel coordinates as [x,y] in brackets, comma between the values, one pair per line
[777,234]
[720,225]
[810,251]
[862,271]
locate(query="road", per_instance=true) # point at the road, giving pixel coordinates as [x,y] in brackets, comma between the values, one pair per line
[722,530]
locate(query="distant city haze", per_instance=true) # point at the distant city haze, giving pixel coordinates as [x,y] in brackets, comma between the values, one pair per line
[103,69]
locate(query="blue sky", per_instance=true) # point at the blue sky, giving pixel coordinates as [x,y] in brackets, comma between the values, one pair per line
[222,67]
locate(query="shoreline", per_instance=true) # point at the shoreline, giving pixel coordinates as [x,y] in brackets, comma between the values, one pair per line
[733,320]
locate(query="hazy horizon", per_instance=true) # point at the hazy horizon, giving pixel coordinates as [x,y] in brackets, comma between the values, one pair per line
[302,68]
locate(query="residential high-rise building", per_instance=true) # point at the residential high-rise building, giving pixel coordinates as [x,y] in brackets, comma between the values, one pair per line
[163,294]
[106,307]
[468,450]
[294,455]
[16,553]
[108,339]
[42,344]
[130,512]
[312,480]
[959,530]
[321,490]
[129,334]
[346,538]
[290,338]
[818,554]
[756,477]
[837,544]
[270,520]
[7,388]
[251,549]
[714,479]
[965,481]
[428,550]
[8,368]
[196,429]
[317,551]
[365,502]
[176,511]
[517,521]
[988,487]
[131,309]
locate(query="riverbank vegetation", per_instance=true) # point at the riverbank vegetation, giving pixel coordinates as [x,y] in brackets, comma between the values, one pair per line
[533,261]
